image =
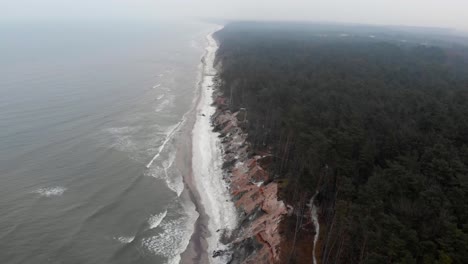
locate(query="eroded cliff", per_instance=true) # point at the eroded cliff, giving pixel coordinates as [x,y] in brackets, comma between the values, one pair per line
[255,193]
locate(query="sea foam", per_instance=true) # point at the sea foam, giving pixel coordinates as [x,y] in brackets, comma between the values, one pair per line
[175,234]
[167,102]
[156,219]
[169,135]
[165,170]
[125,239]
[51,191]
[170,175]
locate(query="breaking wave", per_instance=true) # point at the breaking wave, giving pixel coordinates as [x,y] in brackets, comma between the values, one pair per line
[169,135]
[156,219]
[169,174]
[124,239]
[170,243]
[51,191]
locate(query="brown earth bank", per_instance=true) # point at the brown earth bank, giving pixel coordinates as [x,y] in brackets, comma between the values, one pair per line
[269,230]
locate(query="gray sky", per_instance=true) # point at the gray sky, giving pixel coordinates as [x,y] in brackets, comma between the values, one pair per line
[440,13]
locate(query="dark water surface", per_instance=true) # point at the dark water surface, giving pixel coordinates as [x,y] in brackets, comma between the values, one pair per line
[83,109]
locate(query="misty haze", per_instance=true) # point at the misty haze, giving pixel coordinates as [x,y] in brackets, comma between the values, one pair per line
[231,132]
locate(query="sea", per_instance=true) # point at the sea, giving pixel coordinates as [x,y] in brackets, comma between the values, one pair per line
[90,115]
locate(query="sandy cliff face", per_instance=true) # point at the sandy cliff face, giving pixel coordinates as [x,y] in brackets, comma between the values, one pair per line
[255,195]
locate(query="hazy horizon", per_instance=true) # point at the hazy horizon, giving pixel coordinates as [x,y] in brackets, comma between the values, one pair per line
[418,13]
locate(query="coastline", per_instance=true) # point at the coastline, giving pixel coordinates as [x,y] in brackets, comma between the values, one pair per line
[196,250]
[205,165]
[228,182]
[207,159]
[253,189]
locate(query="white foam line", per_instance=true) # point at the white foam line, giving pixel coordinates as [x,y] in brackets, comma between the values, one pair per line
[161,148]
[155,220]
[156,86]
[184,117]
[163,104]
[171,241]
[124,240]
[177,188]
[51,191]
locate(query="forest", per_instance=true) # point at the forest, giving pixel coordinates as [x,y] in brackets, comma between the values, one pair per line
[376,124]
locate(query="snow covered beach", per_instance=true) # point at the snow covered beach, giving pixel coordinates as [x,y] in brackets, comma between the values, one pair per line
[207,160]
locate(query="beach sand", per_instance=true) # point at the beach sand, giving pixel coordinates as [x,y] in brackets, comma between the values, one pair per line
[204,190]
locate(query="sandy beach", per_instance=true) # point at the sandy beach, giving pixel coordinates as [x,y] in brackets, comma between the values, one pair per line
[204,182]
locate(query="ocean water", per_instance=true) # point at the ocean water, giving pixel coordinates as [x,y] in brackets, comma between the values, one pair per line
[89,118]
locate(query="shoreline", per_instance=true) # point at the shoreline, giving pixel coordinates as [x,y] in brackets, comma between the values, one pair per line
[204,239]
[225,175]
[197,249]
[207,160]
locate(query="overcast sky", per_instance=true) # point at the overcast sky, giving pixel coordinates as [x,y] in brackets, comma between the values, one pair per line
[440,13]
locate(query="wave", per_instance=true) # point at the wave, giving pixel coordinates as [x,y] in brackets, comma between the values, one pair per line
[172,241]
[164,104]
[169,174]
[156,219]
[124,239]
[138,141]
[124,130]
[51,191]
[175,182]
[156,86]
[123,138]
[174,235]
[169,136]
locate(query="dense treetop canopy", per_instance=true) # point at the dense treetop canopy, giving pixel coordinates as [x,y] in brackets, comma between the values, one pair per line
[373,119]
